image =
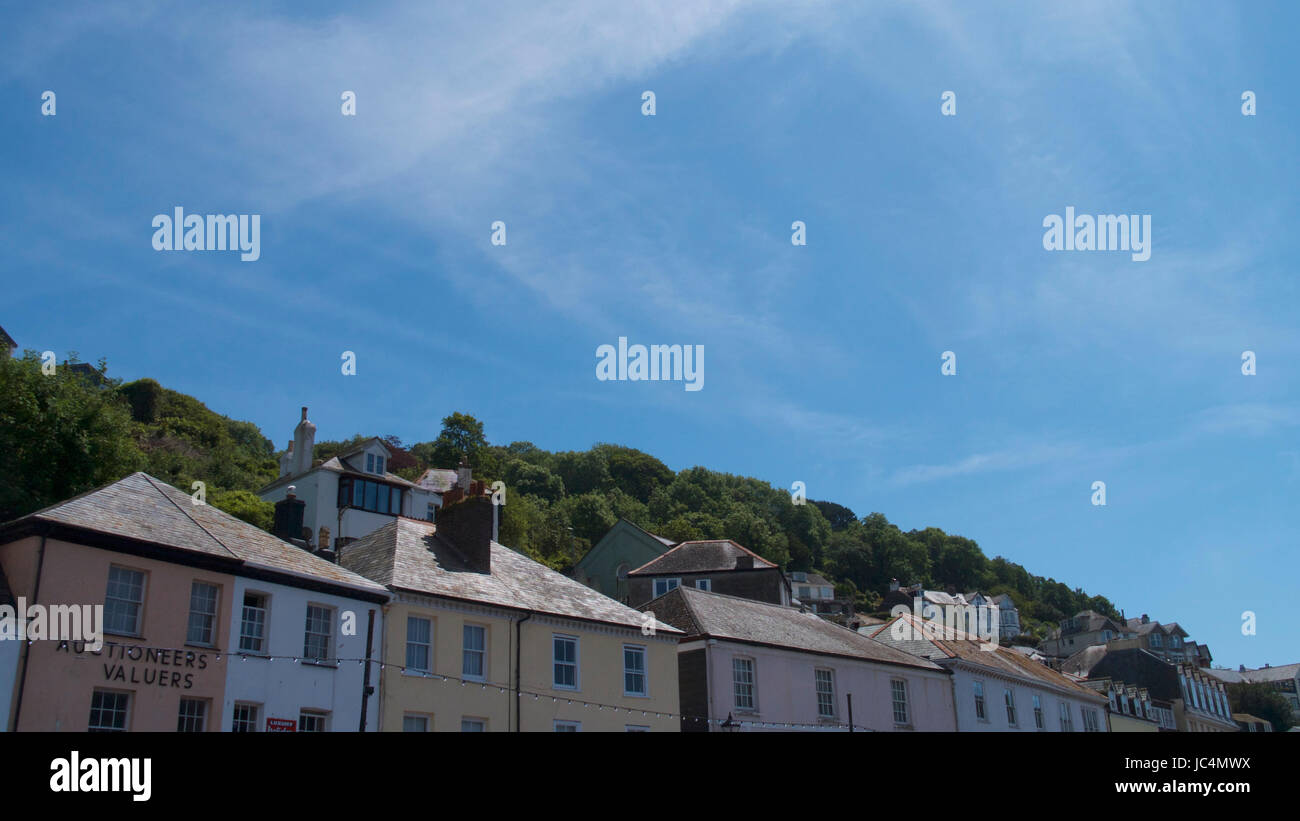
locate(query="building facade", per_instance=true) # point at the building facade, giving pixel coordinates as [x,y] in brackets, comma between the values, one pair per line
[479,638]
[164,573]
[349,495]
[714,565]
[746,665]
[604,568]
[998,689]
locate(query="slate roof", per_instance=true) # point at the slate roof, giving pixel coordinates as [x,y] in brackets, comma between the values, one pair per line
[1280,673]
[336,465]
[146,509]
[1226,676]
[407,554]
[1082,662]
[438,480]
[713,615]
[700,557]
[969,650]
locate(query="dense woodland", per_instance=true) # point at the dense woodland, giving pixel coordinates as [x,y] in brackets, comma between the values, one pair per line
[69,432]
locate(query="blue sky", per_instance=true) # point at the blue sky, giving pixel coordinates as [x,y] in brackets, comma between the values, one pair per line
[822,362]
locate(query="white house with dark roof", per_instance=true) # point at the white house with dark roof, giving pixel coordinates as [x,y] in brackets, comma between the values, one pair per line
[746,665]
[353,493]
[998,689]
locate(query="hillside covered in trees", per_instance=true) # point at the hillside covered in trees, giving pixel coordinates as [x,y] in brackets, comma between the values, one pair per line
[68,432]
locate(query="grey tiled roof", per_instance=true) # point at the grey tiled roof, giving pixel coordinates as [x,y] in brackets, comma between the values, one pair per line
[1001,659]
[700,557]
[438,480]
[1279,673]
[407,554]
[714,615]
[149,510]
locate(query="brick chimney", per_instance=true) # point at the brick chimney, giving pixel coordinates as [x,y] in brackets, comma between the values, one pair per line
[467,524]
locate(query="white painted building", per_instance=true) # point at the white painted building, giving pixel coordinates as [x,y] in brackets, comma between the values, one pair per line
[352,494]
[999,690]
[295,651]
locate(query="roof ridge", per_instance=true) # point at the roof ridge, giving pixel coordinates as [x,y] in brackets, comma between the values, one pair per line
[153,483]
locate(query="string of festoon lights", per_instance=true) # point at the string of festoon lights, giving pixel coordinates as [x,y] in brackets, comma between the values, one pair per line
[503,689]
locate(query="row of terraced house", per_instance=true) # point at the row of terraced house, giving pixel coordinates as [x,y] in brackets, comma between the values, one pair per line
[381,604]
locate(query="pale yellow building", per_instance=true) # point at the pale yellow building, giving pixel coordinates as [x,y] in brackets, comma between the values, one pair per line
[472,621]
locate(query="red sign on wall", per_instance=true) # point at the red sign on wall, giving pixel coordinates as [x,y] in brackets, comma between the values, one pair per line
[281,725]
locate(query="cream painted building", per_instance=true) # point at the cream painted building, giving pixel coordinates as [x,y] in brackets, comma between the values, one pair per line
[472,622]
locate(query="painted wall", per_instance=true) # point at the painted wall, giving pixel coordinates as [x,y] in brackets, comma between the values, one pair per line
[446,703]
[60,682]
[624,544]
[320,490]
[283,687]
[786,691]
[995,711]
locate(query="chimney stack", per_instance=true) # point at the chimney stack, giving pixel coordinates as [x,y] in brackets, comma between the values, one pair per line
[304,443]
[287,460]
[464,476]
[467,524]
[288,516]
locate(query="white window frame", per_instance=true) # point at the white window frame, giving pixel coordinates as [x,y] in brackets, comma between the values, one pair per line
[981,706]
[467,652]
[636,728]
[556,662]
[644,671]
[1067,720]
[323,715]
[737,683]
[561,725]
[669,584]
[211,623]
[894,702]
[204,707]
[246,705]
[1009,700]
[138,604]
[482,724]
[125,711]
[328,636]
[425,717]
[704,584]
[1040,722]
[412,644]
[264,624]
[827,692]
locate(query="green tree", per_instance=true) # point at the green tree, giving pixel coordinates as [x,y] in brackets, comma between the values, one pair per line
[245,505]
[60,435]
[1262,701]
[461,439]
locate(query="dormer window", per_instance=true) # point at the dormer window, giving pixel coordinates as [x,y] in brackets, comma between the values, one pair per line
[375,464]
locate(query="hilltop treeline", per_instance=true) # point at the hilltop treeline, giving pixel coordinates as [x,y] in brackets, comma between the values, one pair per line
[66,433]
